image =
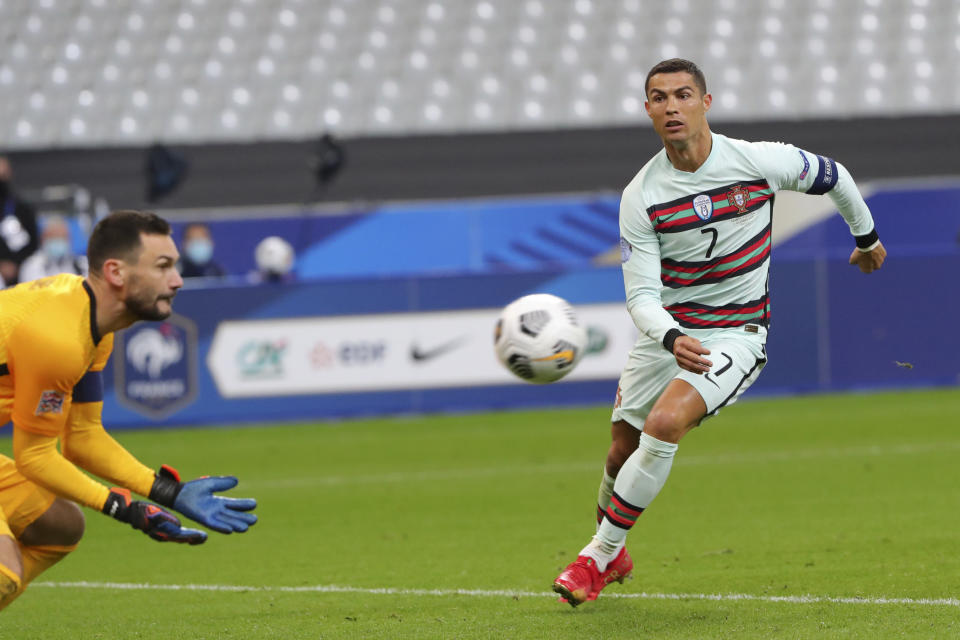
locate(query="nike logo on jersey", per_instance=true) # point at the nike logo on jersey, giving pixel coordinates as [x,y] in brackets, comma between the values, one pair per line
[419,354]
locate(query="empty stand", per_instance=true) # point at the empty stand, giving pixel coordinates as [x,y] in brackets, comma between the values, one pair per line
[121,72]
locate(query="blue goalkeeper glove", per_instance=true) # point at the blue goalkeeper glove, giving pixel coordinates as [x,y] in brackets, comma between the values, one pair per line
[149,518]
[195,500]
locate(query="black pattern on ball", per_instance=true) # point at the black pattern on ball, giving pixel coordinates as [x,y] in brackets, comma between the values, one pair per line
[533,322]
[520,365]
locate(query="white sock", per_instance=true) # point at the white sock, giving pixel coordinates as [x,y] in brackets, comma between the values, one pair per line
[638,483]
[603,498]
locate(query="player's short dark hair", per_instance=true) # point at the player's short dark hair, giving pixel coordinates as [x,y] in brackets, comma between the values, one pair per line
[678,65]
[118,236]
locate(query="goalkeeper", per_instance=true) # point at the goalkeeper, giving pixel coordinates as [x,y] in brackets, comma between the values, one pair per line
[56,335]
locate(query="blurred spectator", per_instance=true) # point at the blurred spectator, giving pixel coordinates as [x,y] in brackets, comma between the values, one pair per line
[274,257]
[165,171]
[19,237]
[197,258]
[55,254]
[328,159]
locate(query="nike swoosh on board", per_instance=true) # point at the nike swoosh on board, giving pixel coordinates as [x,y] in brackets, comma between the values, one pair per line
[421,355]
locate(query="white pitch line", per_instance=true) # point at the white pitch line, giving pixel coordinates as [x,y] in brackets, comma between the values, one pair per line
[433,475]
[495,593]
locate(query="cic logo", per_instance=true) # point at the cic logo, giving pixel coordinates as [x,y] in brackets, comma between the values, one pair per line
[262,358]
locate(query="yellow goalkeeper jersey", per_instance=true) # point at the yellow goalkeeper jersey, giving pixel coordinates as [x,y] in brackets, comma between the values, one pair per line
[48,342]
[51,356]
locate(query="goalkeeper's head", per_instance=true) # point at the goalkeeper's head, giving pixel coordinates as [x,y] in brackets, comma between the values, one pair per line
[133,253]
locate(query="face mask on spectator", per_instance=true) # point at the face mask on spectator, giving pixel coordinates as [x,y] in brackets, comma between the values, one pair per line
[56,248]
[199,251]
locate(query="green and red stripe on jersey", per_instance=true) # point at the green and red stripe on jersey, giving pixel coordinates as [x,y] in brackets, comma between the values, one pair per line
[749,256]
[679,215]
[694,315]
[621,513]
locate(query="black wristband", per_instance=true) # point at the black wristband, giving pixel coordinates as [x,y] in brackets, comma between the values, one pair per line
[118,504]
[670,338]
[868,240]
[166,487]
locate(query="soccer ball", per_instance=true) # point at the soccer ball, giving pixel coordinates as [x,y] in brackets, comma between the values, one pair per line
[538,339]
[274,256]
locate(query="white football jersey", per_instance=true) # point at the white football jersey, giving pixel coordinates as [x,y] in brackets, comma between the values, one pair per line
[696,246]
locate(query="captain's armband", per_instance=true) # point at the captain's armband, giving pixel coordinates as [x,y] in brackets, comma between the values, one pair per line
[90,388]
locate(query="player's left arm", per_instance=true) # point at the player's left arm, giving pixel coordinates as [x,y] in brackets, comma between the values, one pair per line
[788,167]
[84,441]
[869,253]
[88,445]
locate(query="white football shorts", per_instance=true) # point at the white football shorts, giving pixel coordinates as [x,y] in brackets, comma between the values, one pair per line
[737,354]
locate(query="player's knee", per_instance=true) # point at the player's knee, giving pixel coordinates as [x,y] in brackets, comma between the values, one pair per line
[60,525]
[665,424]
[72,526]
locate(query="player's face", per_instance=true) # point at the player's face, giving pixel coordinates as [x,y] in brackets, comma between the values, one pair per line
[153,281]
[676,106]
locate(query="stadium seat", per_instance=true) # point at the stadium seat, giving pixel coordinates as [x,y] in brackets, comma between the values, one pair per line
[91,72]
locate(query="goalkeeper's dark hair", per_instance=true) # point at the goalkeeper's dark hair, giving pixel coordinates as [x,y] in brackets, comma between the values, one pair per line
[118,236]
[678,65]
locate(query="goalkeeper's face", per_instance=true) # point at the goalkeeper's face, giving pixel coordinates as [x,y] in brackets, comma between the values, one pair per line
[153,280]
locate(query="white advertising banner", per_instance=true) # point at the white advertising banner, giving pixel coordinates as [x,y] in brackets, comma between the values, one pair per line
[385,352]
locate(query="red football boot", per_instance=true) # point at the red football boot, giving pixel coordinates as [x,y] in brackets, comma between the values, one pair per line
[580,579]
[617,571]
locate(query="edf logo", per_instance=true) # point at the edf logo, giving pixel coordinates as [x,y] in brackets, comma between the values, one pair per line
[156,366]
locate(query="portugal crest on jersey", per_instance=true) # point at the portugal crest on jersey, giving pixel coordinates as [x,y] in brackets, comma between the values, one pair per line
[738,197]
[703,206]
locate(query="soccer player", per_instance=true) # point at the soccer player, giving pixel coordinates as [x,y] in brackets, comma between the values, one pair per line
[56,334]
[695,246]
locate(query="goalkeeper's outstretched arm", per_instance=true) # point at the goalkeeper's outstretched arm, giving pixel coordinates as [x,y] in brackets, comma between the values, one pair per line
[87,444]
[38,459]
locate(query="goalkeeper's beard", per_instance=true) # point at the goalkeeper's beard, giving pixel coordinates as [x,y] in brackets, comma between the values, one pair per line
[146,305]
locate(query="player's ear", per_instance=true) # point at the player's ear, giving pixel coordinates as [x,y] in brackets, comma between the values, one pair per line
[707,101]
[114,271]
[646,105]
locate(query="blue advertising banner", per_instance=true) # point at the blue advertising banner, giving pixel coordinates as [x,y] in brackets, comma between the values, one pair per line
[377,286]
[833,329]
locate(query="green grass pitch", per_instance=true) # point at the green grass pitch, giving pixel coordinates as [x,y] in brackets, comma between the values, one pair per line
[847,500]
